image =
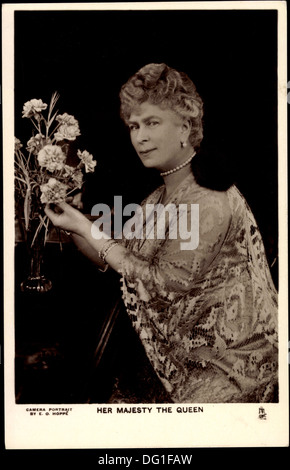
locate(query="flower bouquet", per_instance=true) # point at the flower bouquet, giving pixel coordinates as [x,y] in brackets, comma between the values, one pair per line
[43,176]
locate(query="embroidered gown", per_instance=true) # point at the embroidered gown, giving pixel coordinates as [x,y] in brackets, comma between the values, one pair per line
[207,317]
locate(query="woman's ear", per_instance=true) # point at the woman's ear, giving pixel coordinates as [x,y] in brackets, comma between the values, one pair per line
[186,128]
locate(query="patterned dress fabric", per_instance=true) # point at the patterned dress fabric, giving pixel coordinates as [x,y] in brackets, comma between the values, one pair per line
[207,317]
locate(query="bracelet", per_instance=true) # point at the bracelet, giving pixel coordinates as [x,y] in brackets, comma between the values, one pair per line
[106,248]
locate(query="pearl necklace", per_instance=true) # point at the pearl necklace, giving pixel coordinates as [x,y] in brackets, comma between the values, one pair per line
[165,173]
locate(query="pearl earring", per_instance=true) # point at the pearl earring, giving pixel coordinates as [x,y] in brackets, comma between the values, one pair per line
[183,144]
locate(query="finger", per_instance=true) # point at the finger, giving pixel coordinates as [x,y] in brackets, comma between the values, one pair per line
[50,213]
[62,205]
[73,202]
[77,205]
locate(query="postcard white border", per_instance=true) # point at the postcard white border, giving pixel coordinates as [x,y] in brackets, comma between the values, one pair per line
[231,425]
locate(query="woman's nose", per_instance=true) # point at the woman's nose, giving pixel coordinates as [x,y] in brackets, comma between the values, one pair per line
[142,134]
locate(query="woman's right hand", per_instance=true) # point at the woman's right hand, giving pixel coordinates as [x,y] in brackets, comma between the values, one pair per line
[66,217]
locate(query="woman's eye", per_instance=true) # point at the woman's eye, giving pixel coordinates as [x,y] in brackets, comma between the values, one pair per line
[152,123]
[132,127]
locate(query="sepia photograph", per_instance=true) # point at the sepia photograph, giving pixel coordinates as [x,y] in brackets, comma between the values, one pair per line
[144,238]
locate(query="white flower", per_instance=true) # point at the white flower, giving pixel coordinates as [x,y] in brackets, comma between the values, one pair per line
[74,174]
[51,157]
[87,159]
[77,178]
[35,143]
[67,132]
[68,170]
[68,129]
[67,119]
[53,192]
[33,107]
[17,144]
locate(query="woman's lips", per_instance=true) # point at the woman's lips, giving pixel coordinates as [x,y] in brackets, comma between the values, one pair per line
[144,153]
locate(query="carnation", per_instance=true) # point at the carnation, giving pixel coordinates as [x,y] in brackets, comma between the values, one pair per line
[87,159]
[35,143]
[17,144]
[67,119]
[74,174]
[33,107]
[68,170]
[51,157]
[53,192]
[77,178]
[68,129]
[67,132]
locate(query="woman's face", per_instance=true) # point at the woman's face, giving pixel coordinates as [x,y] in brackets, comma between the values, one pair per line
[156,135]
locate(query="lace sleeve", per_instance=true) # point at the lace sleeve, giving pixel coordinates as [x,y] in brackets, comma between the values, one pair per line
[168,268]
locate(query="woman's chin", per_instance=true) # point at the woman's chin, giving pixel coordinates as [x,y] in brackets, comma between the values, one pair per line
[148,164]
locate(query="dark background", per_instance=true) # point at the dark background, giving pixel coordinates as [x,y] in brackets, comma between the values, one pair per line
[86,57]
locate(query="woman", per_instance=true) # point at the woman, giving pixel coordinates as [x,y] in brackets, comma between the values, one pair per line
[207,314]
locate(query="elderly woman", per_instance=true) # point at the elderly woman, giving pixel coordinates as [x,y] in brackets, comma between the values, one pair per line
[204,310]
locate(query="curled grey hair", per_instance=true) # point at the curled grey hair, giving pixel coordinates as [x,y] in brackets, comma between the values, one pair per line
[166,87]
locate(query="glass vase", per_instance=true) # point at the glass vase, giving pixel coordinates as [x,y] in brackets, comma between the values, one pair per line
[35,281]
